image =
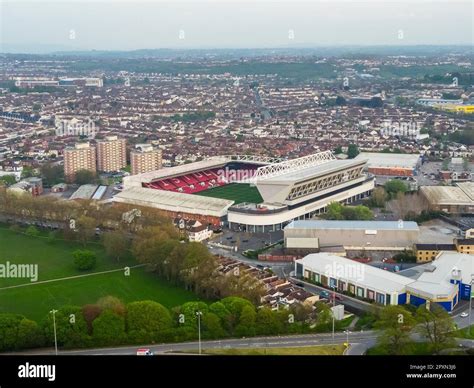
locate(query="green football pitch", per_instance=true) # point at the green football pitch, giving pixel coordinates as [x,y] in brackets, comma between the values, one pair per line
[58,285]
[238,192]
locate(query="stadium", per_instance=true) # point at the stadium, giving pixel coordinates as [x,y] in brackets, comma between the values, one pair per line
[250,193]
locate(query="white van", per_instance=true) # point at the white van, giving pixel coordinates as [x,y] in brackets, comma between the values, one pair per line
[144,352]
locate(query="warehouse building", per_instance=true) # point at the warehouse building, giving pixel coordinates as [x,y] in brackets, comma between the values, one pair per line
[456,199]
[385,164]
[352,235]
[444,281]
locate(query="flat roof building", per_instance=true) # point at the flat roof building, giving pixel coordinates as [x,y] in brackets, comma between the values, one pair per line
[352,235]
[444,281]
[451,199]
[387,164]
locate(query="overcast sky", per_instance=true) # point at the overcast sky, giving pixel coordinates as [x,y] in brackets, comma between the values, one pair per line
[128,25]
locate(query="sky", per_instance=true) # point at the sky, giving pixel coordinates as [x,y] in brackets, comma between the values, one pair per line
[38,25]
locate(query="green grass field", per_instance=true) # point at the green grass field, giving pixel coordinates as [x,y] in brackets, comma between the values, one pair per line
[320,350]
[238,192]
[55,261]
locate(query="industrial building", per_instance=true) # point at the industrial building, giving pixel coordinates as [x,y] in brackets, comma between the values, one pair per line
[444,281]
[352,235]
[386,164]
[456,199]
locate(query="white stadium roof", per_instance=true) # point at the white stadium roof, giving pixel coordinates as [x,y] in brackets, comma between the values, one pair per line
[176,202]
[311,171]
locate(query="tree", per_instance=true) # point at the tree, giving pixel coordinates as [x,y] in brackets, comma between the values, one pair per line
[394,186]
[8,179]
[247,320]
[267,322]
[71,328]
[83,177]
[9,324]
[112,303]
[116,244]
[32,231]
[84,259]
[109,329]
[29,334]
[352,151]
[212,327]
[52,174]
[378,197]
[86,227]
[338,150]
[90,312]
[396,324]
[436,326]
[27,172]
[146,319]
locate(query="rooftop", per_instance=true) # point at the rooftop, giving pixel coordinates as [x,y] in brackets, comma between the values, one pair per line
[336,224]
[313,171]
[448,194]
[380,159]
[354,272]
[172,201]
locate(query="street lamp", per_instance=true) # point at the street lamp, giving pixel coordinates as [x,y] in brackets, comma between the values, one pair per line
[199,313]
[54,328]
[470,303]
[347,338]
[333,308]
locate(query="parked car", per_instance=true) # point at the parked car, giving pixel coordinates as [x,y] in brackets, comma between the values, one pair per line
[324,294]
[464,315]
[144,352]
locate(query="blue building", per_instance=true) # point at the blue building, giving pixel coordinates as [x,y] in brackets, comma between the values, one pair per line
[444,281]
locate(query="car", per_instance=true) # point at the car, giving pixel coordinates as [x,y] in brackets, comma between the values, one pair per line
[144,352]
[324,294]
[338,297]
[464,315]
[299,284]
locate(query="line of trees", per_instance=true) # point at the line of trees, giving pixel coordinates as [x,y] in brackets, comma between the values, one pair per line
[110,322]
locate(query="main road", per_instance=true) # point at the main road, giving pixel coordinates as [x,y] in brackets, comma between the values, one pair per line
[367,338]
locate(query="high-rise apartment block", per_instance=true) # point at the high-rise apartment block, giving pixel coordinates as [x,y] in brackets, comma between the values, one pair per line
[80,157]
[111,154]
[145,158]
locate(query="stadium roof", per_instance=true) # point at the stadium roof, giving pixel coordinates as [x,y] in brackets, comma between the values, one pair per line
[380,159]
[176,202]
[354,272]
[166,172]
[372,225]
[311,171]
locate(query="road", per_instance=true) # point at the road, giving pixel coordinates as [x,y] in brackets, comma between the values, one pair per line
[366,337]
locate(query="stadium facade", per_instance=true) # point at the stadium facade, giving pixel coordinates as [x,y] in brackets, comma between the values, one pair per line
[293,189]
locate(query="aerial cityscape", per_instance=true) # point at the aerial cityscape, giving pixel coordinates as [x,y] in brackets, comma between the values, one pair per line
[296,182]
